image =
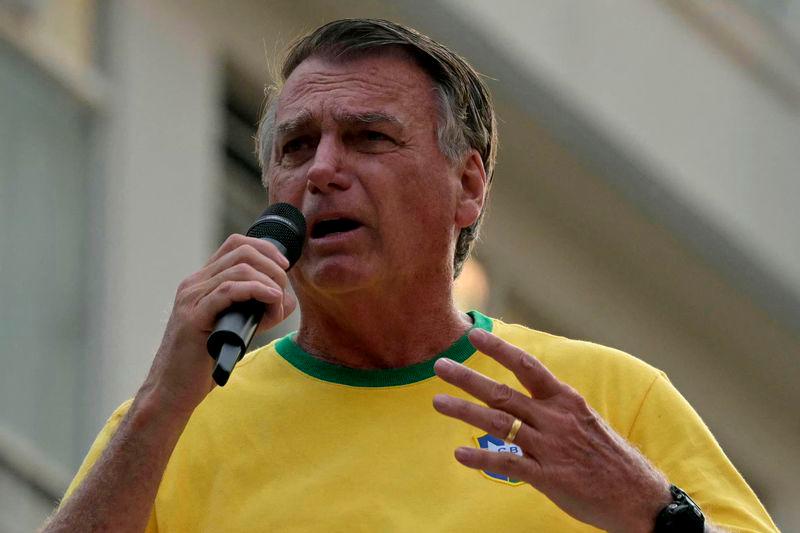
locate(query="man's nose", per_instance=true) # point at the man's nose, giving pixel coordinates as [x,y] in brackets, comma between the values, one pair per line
[325,174]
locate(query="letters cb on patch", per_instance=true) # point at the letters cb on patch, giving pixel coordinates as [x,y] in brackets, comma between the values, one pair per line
[493,444]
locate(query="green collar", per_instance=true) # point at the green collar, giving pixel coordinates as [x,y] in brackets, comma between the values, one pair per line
[385,377]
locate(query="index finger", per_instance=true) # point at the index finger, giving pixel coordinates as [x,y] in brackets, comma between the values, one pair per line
[533,375]
[265,247]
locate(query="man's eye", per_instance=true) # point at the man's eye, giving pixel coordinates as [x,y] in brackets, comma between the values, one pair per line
[370,135]
[295,145]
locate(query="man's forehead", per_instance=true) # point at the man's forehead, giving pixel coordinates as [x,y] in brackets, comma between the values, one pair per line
[377,85]
[305,118]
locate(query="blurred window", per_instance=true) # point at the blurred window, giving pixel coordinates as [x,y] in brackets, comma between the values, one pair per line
[243,195]
[44,157]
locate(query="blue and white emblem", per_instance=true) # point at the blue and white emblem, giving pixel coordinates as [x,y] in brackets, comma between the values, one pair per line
[493,444]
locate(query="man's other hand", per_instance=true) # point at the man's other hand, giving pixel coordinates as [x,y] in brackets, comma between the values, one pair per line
[569,453]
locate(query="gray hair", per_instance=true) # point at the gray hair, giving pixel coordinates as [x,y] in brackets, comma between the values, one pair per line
[466,113]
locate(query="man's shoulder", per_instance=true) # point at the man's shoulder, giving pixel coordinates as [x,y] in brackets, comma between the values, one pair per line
[568,350]
[592,368]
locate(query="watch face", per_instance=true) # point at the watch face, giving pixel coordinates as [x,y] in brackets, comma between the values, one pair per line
[681,515]
[687,518]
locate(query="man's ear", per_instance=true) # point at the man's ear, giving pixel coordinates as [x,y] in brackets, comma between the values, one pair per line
[472,191]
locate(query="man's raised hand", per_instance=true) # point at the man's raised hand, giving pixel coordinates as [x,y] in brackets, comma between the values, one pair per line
[569,453]
[243,268]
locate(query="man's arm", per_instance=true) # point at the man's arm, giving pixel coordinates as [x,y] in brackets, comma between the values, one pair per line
[570,454]
[118,492]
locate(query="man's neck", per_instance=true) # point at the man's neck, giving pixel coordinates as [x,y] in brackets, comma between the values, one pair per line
[367,332]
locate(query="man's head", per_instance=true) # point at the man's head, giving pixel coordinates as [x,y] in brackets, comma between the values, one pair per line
[464,122]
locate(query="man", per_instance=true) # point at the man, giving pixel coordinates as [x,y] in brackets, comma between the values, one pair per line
[386,141]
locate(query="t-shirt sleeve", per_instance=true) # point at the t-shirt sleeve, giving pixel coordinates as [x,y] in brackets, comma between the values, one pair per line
[96,450]
[671,434]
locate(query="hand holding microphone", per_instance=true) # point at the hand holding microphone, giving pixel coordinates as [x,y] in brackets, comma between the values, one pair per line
[247,270]
[285,227]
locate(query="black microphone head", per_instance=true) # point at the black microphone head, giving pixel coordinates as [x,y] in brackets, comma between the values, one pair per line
[283,223]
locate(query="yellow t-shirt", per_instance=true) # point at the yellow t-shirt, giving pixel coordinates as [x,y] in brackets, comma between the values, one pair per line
[294,443]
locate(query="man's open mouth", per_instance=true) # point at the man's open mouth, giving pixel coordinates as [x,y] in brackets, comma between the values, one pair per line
[323,228]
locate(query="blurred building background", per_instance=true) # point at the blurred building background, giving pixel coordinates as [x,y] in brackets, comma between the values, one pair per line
[646,197]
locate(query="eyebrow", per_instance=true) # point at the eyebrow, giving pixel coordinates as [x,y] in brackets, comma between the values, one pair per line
[299,122]
[369,117]
[304,119]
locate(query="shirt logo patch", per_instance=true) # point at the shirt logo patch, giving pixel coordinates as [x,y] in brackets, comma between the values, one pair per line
[493,444]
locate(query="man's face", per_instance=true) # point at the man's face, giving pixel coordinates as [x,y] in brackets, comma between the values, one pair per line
[356,150]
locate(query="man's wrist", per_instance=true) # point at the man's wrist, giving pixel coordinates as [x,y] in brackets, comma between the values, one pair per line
[153,407]
[681,515]
[642,519]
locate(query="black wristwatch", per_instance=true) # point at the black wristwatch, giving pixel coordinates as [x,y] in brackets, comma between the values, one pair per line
[681,515]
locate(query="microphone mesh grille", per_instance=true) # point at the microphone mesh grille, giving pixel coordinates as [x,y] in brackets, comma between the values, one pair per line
[285,224]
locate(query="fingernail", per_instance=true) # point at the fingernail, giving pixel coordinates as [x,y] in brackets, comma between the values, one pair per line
[464,454]
[444,362]
[275,292]
[441,401]
[477,334]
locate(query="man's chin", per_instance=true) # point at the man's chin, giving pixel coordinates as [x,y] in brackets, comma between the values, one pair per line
[338,274]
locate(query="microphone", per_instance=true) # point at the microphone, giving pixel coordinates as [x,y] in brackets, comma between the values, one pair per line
[284,226]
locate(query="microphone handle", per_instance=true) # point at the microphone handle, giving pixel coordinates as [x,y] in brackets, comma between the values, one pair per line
[233,332]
